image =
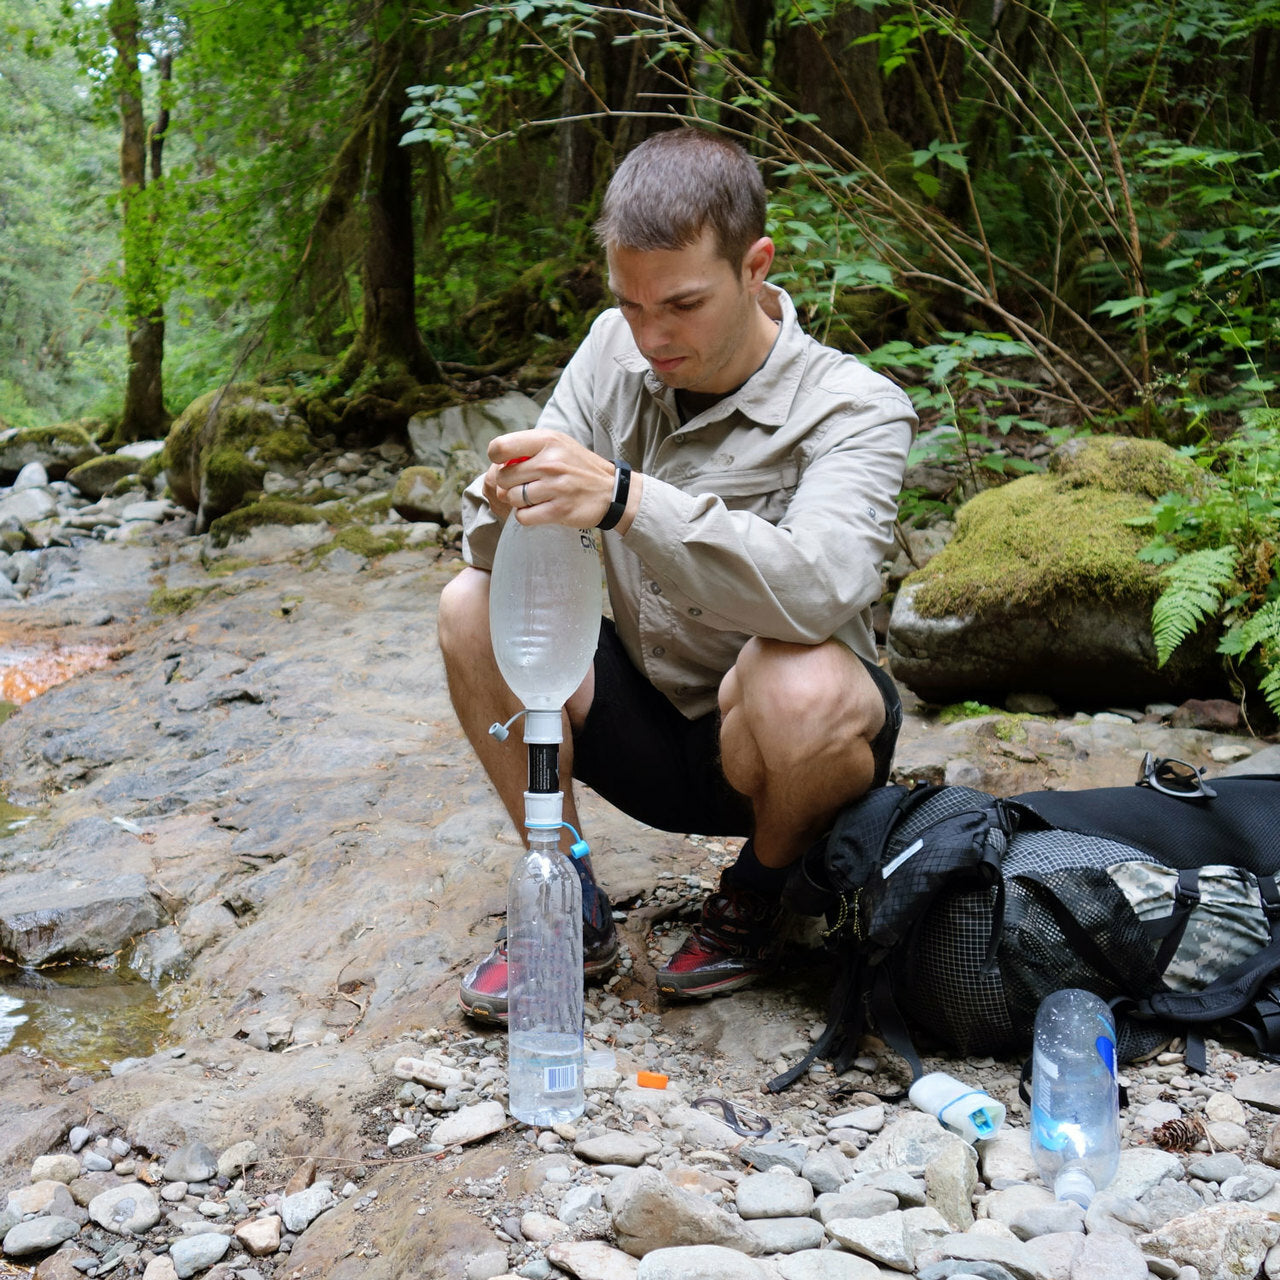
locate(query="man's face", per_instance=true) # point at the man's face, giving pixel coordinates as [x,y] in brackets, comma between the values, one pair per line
[693,316]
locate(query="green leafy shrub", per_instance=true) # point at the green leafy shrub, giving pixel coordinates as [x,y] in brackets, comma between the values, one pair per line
[1221,550]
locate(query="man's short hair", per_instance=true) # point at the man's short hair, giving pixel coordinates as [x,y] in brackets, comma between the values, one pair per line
[677,183]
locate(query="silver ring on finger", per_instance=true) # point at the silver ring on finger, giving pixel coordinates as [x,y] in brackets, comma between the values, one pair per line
[524,494]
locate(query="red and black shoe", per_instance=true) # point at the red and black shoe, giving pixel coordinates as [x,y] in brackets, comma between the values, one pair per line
[483,992]
[736,941]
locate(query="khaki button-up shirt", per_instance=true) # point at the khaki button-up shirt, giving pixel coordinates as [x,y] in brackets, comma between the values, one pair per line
[769,514]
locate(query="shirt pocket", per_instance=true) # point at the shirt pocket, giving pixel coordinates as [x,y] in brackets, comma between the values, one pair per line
[764,491]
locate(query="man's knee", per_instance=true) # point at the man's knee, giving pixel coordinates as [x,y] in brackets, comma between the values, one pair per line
[462,616]
[810,693]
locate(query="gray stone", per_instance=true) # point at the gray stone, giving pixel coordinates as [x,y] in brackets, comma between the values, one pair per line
[617,1147]
[260,1237]
[1217,1167]
[699,1129]
[434,437]
[592,1260]
[649,1213]
[45,914]
[950,1180]
[913,1140]
[1261,1089]
[1220,1240]
[57,1168]
[577,1201]
[699,1262]
[1109,1213]
[1043,1220]
[868,1119]
[470,1124]
[128,1209]
[908,1191]
[962,1270]
[826,1264]
[195,1162]
[1009,1203]
[1109,1256]
[198,1253]
[892,1239]
[431,1070]
[1172,1198]
[299,1211]
[787,1235]
[484,1266]
[1247,1187]
[774,1195]
[866,1202]
[45,1197]
[765,1155]
[237,1159]
[78,1136]
[1140,1169]
[39,1235]
[1015,1257]
[827,1170]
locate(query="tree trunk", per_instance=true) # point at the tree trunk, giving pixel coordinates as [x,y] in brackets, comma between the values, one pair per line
[373,163]
[144,414]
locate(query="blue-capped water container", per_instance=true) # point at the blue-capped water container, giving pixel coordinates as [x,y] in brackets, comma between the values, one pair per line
[966,1111]
[1075,1103]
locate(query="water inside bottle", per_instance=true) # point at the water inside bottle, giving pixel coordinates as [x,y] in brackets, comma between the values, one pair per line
[544,1076]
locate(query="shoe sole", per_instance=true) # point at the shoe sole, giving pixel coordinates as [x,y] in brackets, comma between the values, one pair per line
[483,1012]
[720,987]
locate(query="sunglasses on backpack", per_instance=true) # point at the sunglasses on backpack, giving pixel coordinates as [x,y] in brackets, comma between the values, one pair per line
[1174,778]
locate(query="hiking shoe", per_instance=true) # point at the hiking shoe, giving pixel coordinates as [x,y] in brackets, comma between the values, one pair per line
[483,992]
[736,941]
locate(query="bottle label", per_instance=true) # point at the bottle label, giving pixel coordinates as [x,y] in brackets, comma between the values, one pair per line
[562,1079]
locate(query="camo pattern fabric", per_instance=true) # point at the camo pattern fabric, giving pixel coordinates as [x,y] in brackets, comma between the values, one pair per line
[1226,927]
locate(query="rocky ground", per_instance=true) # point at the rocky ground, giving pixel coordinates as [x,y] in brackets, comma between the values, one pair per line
[260,800]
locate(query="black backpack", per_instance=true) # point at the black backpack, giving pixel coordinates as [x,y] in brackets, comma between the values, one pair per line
[953,913]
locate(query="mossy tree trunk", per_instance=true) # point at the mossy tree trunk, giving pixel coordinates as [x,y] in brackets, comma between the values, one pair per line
[144,414]
[373,178]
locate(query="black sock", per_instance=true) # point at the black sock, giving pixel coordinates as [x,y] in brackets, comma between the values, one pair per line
[749,873]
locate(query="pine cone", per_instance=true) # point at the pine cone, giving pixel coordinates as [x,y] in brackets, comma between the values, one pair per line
[1179,1135]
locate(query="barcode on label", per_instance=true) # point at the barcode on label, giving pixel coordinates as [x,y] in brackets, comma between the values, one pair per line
[560,1079]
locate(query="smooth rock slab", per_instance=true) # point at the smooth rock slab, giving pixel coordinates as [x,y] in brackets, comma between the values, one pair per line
[700,1262]
[131,1208]
[893,1238]
[38,1235]
[299,1211]
[470,1124]
[198,1253]
[618,1148]
[865,1203]
[60,1168]
[195,1162]
[430,1071]
[238,1158]
[826,1264]
[592,1260]
[788,1235]
[1140,1169]
[649,1213]
[774,1195]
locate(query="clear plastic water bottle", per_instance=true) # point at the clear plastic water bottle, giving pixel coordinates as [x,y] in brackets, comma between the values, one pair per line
[544,984]
[1075,1106]
[544,611]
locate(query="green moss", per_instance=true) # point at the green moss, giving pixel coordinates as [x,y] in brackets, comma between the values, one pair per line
[59,433]
[267,511]
[175,600]
[1120,464]
[1011,727]
[378,506]
[964,711]
[364,542]
[227,565]
[1036,541]
[229,477]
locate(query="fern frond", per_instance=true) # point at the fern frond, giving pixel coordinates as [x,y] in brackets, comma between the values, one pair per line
[1193,592]
[1262,629]
[1269,686]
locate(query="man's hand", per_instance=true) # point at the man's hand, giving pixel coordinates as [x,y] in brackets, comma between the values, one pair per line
[547,477]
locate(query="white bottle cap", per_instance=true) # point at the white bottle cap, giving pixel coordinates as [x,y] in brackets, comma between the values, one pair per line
[543,726]
[1073,1183]
[959,1107]
[543,808]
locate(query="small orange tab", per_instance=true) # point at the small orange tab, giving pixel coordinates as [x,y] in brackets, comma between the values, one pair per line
[651,1080]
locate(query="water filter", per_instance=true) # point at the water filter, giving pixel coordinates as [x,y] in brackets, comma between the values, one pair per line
[969,1112]
[1075,1102]
[544,985]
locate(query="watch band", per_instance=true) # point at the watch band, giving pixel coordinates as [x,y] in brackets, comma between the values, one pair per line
[621,488]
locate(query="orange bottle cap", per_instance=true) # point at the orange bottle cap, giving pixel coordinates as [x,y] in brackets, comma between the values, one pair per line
[651,1080]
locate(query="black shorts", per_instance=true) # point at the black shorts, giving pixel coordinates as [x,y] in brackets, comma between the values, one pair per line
[644,757]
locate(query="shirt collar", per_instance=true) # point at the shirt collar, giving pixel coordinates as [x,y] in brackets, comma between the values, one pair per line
[767,395]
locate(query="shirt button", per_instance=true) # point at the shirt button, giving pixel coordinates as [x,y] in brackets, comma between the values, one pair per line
[656,588]
[657,651]
[694,611]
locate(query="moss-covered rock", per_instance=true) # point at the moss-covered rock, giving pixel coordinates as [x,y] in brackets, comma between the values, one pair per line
[222,445]
[1041,589]
[57,448]
[268,511]
[99,476]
